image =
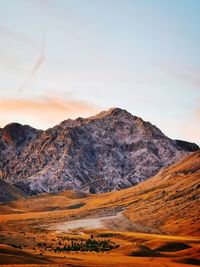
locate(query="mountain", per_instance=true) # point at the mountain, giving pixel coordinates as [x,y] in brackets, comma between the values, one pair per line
[106,152]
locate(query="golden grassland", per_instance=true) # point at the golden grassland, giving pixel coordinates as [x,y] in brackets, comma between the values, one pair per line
[155,223]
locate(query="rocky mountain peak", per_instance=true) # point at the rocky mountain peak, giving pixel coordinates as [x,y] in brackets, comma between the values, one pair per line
[106,152]
[108,115]
[17,134]
[112,113]
[13,133]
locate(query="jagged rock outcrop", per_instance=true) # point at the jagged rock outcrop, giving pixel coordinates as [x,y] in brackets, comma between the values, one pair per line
[110,151]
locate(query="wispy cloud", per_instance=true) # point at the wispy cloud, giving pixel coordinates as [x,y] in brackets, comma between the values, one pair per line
[20,55]
[183,73]
[37,65]
[45,112]
[17,36]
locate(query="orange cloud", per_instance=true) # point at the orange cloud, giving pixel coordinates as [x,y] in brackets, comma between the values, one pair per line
[43,113]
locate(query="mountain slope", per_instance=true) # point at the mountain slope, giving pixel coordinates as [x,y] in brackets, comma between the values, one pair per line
[110,151]
[9,192]
[167,203]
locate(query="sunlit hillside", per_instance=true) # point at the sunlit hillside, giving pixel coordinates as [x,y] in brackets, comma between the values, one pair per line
[156,220]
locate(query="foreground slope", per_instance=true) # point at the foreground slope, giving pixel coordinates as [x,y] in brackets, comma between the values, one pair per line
[155,223]
[110,151]
[13,255]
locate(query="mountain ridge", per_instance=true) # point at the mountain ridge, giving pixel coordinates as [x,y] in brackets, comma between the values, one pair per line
[109,151]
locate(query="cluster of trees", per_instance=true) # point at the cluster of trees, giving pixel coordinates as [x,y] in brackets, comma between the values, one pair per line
[89,245]
[74,244]
[106,235]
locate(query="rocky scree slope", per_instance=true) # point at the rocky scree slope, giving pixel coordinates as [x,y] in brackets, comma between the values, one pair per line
[106,152]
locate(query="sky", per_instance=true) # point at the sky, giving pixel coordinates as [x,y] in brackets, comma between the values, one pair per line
[64,59]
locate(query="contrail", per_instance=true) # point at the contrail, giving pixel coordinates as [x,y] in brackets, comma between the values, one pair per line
[39,62]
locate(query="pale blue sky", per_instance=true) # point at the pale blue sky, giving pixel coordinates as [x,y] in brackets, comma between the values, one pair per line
[141,55]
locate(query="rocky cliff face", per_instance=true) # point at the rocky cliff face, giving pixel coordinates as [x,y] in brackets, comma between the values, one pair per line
[110,151]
